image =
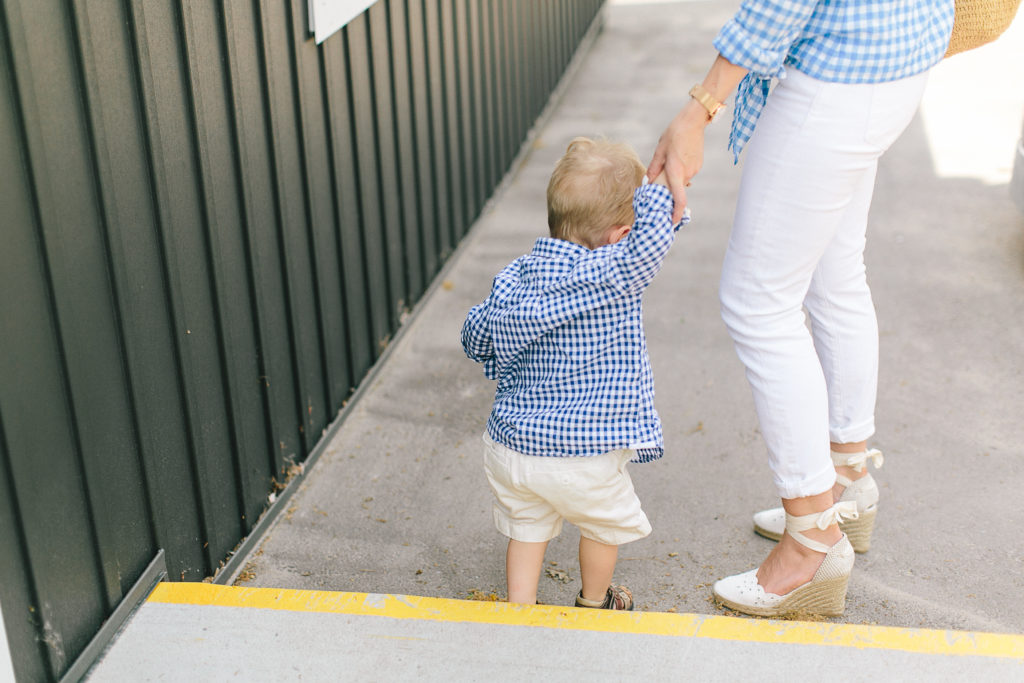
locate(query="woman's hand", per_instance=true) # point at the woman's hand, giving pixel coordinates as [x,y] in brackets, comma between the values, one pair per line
[680,153]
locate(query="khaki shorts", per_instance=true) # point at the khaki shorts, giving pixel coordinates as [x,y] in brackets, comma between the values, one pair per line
[534,494]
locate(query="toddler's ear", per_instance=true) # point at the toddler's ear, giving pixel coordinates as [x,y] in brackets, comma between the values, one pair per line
[617,233]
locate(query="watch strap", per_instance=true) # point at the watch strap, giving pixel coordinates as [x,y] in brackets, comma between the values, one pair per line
[706,100]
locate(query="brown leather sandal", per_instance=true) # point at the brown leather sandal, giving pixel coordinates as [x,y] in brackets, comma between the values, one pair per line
[617,598]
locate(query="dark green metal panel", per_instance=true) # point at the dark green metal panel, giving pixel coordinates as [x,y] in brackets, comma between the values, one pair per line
[465,122]
[379,285]
[234,337]
[421,159]
[452,121]
[349,239]
[386,159]
[395,46]
[438,134]
[76,252]
[174,137]
[36,417]
[253,164]
[211,229]
[17,592]
[479,62]
[67,418]
[497,79]
[293,228]
[118,142]
[521,85]
[310,96]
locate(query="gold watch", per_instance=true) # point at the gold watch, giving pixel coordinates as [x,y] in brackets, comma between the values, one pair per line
[707,100]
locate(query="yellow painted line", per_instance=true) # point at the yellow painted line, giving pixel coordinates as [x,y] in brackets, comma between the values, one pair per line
[924,641]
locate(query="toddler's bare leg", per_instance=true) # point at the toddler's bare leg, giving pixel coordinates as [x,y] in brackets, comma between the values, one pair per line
[597,564]
[522,570]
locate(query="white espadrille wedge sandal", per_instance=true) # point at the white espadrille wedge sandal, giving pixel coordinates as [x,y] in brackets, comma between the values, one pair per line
[863,491]
[824,594]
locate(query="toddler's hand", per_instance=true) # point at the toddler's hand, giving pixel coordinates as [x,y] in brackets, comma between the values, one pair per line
[662,179]
[684,218]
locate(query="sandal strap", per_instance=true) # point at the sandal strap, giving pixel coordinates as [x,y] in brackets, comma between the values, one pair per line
[617,594]
[819,520]
[614,595]
[596,604]
[858,461]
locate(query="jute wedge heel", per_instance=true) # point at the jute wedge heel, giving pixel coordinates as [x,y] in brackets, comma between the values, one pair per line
[823,595]
[864,492]
[859,530]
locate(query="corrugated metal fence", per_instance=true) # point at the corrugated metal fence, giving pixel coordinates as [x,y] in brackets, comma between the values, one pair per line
[211,226]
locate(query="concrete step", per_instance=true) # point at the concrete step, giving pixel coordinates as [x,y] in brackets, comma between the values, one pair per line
[206,632]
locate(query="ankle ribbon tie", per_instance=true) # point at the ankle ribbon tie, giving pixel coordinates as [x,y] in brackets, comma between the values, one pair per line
[837,513]
[820,520]
[858,461]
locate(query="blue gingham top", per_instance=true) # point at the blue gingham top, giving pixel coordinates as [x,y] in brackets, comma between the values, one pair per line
[841,41]
[562,332]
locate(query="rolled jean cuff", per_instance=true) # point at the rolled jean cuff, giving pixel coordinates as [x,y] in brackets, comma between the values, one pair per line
[854,433]
[814,485]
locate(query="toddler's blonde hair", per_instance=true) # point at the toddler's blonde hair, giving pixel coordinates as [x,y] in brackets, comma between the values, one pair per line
[591,190]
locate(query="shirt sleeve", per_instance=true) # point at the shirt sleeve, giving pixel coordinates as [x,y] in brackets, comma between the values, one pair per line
[604,275]
[478,329]
[476,340]
[759,35]
[634,261]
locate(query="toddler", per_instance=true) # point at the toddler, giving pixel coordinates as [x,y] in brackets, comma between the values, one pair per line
[562,332]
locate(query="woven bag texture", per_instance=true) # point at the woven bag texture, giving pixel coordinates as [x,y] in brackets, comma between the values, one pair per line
[980,21]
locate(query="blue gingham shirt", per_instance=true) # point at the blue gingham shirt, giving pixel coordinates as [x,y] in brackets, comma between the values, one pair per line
[841,41]
[562,332]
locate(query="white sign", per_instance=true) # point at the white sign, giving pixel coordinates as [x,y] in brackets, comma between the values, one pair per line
[328,16]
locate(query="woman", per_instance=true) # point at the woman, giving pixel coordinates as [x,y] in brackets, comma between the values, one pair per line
[850,76]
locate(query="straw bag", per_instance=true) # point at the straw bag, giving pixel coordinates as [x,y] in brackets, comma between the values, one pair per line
[978,22]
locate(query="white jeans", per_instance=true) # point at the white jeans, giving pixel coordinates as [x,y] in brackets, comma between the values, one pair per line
[798,242]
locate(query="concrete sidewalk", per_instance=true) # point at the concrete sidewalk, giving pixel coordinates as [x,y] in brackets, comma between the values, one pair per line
[192,632]
[398,504]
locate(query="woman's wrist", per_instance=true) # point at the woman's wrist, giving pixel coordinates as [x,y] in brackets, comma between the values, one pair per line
[693,113]
[708,97]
